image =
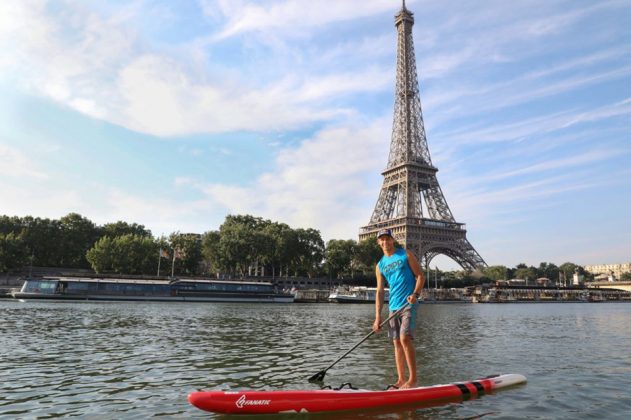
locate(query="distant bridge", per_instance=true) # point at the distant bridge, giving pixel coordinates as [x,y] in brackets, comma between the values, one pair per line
[620,285]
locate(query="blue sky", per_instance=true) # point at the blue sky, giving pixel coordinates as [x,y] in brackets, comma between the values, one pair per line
[175,114]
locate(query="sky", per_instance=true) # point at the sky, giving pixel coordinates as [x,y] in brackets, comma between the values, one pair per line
[175,114]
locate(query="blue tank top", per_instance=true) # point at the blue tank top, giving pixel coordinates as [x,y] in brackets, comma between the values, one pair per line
[401,280]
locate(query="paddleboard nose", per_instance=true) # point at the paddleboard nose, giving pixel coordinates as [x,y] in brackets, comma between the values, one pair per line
[195,398]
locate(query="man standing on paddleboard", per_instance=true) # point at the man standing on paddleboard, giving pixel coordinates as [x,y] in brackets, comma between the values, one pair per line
[402,271]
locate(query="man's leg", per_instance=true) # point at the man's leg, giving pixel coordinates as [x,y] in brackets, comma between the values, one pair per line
[400,360]
[409,354]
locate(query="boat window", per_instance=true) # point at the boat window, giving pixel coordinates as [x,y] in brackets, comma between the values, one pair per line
[113,288]
[185,286]
[224,287]
[40,286]
[81,287]
[161,289]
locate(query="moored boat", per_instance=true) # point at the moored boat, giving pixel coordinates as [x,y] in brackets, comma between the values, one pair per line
[126,289]
[360,294]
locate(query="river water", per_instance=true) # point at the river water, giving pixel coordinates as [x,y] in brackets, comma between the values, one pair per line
[140,360]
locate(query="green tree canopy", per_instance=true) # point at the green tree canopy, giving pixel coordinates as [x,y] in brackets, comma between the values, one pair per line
[13,252]
[121,228]
[126,254]
[496,272]
[366,255]
[309,252]
[187,248]
[339,256]
[78,234]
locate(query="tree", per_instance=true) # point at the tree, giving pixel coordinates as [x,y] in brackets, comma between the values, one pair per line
[13,252]
[282,244]
[496,272]
[187,248]
[126,254]
[309,251]
[339,257]
[524,272]
[101,255]
[366,256]
[42,238]
[236,244]
[121,228]
[78,234]
[213,261]
[548,270]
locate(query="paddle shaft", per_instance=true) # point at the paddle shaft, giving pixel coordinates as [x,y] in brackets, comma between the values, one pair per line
[362,340]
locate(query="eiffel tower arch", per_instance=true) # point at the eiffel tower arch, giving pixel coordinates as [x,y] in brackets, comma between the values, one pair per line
[411,202]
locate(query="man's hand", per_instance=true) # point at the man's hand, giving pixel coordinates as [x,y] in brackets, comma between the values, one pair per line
[412,299]
[376,326]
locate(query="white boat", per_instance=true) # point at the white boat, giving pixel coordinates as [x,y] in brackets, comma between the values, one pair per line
[360,294]
[127,289]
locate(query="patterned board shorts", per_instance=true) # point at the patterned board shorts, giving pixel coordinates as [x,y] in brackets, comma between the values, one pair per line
[403,324]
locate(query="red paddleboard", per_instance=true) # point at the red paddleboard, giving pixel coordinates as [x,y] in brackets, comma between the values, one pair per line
[311,401]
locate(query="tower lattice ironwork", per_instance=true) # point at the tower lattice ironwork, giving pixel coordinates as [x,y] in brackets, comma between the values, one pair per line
[411,202]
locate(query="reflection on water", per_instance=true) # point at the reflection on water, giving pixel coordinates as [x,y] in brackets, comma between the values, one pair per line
[139,360]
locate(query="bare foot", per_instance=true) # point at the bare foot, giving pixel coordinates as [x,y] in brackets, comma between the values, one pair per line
[398,384]
[408,385]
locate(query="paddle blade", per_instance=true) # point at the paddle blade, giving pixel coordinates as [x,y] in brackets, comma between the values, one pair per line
[318,377]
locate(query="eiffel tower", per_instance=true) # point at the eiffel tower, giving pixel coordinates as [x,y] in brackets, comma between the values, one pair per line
[410,177]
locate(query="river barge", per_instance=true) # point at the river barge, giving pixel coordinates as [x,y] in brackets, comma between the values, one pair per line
[358,294]
[124,289]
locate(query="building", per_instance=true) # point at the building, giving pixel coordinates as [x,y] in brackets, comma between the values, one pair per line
[610,270]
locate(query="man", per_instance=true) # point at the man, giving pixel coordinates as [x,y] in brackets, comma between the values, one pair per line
[402,271]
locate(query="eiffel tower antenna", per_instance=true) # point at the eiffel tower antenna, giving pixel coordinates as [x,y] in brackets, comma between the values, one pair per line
[411,202]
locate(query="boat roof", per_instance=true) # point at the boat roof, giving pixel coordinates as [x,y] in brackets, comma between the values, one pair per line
[146,281]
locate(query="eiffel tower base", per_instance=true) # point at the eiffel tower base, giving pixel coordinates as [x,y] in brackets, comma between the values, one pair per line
[427,238]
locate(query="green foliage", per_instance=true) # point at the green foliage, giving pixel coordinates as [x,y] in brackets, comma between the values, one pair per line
[245,241]
[339,257]
[188,252]
[496,272]
[126,254]
[366,256]
[211,254]
[548,270]
[42,238]
[241,243]
[78,234]
[121,228]
[523,272]
[13,252]
[309,252]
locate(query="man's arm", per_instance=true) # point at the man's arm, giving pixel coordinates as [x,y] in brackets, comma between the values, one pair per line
[378,299]
[418,274]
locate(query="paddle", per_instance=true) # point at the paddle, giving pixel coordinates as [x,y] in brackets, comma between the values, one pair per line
[319,377]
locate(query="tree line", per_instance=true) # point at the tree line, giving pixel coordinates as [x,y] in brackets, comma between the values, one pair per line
[556,274]
[243,245]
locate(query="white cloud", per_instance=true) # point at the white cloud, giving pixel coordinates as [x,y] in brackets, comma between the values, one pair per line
[320,183]
[38,198]
[162,99]
[565,162]
[101,70]
[16,164]
[292,14]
